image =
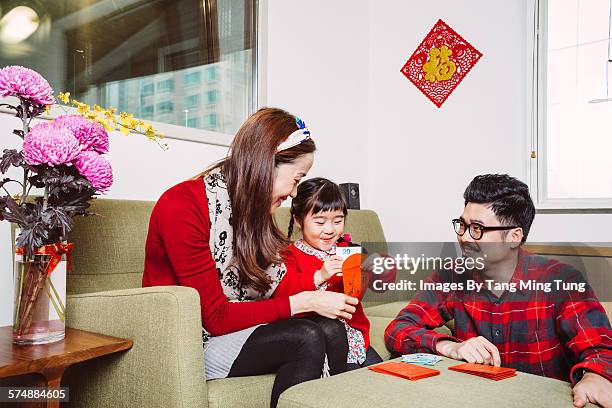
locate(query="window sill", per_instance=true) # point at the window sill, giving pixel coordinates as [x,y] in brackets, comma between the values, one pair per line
[573,210]
[574,206]
[169,131]
[570,250]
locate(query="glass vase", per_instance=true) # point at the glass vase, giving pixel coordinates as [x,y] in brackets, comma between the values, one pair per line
[39,312]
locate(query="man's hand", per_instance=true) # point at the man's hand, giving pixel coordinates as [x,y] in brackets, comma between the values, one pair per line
[475,350]
[593,388]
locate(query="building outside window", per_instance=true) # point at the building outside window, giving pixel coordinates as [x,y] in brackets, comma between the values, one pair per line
[147,111]
[211,74]
[134,54]
[165,85]
[165,107]
[192,122]
[212,96]
[192,101]
[147,89]
[192,78]
[210,121]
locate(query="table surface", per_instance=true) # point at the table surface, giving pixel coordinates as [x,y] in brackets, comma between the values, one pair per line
[365,388]
[77,346]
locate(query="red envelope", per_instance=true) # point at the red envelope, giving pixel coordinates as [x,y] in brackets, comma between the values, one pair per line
[404,370]
[351,276]
[486,371]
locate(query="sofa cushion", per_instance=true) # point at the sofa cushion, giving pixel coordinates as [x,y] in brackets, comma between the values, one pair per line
[247,392]
[366,389]
[377,335]
[109,248]
[386,310]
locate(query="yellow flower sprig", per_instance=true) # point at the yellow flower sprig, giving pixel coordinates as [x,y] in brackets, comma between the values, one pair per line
[107,117]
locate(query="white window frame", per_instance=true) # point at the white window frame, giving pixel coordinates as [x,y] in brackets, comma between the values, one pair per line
[537,32]
[170,131]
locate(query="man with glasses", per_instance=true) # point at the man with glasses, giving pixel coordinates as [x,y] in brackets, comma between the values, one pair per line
[560,334]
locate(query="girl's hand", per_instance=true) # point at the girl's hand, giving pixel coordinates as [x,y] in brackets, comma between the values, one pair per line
[329,304]
[331,267]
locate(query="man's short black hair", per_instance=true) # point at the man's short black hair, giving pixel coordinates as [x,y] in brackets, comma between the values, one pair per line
[507,197]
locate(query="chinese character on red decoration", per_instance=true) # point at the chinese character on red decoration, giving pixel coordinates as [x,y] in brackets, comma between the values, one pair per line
[440,62]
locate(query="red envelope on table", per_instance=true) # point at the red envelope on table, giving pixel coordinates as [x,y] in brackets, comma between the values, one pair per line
[404,370]
[486,371]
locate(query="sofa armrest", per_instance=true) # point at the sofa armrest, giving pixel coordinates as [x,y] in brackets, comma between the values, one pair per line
[164,368]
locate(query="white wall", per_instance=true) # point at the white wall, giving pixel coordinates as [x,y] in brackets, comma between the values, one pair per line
[317,68]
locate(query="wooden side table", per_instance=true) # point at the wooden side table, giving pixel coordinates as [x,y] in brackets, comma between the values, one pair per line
[50,360]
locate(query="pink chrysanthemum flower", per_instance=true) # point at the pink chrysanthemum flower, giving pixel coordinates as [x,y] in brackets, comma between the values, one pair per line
[48,144]
[25,83]
[96,169]
[91,135]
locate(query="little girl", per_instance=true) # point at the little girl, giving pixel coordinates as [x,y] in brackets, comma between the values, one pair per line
[319,209]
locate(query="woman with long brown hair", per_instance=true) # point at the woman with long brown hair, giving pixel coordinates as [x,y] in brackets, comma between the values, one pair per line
[216,233]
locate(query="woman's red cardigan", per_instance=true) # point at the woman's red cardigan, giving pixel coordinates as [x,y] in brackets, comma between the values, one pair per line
[178,253]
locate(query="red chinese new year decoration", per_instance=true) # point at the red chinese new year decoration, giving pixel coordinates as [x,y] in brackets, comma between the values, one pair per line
[440,62]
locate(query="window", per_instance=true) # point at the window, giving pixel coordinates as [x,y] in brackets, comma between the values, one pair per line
[122,99]
[210,121]
[192,101]
[147,111]
[147,90]
[165,107]
[165,86]
[192,122]
[574,104]
[212,96]
[193,78]
[137,53]
[211,74]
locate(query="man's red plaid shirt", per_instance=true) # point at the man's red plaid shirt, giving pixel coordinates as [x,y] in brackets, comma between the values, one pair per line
[558,334]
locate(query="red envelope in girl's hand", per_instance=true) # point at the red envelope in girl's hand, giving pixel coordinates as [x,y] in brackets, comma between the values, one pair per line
[351,276]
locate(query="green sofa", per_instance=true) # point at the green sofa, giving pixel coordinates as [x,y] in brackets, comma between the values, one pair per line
[165,368]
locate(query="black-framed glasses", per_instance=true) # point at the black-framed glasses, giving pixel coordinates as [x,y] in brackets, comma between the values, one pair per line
[476,230]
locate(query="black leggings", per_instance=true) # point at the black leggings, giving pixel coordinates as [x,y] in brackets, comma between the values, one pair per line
[295,350]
